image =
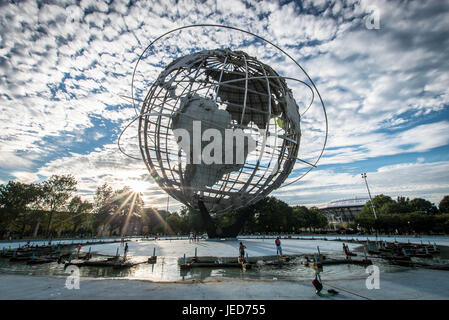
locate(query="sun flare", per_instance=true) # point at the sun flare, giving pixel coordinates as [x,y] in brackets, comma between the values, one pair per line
[138,186]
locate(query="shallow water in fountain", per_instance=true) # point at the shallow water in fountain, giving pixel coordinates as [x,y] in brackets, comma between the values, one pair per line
[170,254]
[168,269]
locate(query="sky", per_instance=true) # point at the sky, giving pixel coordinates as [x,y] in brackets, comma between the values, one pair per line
[381,67]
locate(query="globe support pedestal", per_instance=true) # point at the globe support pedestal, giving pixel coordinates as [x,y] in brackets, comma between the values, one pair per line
[209,225]
[229,232]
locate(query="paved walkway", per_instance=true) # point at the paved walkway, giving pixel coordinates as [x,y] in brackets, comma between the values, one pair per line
[413,284]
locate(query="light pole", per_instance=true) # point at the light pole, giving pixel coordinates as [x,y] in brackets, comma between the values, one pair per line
[371,200]
[369,193]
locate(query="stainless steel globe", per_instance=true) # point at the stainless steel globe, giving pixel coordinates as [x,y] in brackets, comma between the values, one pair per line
[232,93]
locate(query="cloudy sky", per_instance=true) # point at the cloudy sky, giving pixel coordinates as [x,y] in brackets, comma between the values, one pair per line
[66,65]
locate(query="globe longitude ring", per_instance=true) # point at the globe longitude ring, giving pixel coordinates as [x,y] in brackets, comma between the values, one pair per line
[221,126]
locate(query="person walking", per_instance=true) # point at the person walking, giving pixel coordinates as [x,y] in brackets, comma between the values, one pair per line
[278,246]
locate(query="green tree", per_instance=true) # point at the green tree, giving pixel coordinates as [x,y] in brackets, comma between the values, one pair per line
[365,220]
[441,223]
[56,192]
[155,221]
[103,207]
[103,196]
[300,217]
[17,195]
[444,205]
[379,201]
[192,220]
[422,205]
[175,222]
[271,215]
[420,222]
[17,199]
[126,205]
[390,222]
[319,221]
[402,205]
[80,214]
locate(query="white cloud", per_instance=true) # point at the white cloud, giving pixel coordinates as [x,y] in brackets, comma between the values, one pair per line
[414,180]
[421,138]
[61,67]
[25,177]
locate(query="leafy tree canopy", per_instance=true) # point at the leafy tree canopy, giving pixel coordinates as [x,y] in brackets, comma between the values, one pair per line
[444,205]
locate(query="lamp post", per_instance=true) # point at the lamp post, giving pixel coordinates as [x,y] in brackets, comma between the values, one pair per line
[369,193]
[371,199]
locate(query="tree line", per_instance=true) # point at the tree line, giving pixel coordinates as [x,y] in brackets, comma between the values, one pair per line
[53,209]
[404,215]
[271,215]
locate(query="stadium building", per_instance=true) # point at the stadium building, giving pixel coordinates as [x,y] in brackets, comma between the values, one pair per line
[343,210]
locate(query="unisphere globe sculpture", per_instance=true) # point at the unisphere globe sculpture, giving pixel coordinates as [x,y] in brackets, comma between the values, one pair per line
[240,114]
[219,129]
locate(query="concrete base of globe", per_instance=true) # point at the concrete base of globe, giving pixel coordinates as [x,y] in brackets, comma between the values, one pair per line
[229,232]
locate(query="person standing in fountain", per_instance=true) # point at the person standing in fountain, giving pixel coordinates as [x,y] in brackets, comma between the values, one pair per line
[242,252]
[79,249]
[278,246]
[126,251]
[346,250]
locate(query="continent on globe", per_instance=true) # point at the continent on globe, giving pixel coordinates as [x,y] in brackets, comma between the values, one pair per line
[212,147]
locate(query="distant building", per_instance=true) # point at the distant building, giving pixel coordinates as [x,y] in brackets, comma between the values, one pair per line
[343,210]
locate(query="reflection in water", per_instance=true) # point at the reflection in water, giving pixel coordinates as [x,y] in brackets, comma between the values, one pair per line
[195,273]
[168,269]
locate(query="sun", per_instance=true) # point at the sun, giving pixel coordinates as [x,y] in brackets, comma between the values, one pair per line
[138,186]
